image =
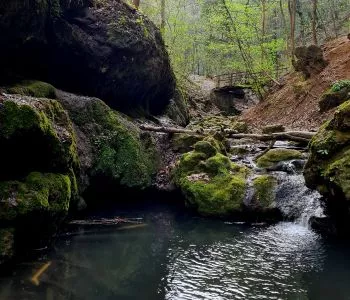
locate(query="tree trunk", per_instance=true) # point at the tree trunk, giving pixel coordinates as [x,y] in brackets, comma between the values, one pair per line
[292,12]
[136,3]
[162,16]
[314,20]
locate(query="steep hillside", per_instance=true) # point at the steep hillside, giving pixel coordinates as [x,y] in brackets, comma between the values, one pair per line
[295,104]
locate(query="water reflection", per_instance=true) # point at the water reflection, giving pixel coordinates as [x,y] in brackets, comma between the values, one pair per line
[177,257]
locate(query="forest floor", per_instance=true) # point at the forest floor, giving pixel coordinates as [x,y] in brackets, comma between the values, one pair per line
[295,103]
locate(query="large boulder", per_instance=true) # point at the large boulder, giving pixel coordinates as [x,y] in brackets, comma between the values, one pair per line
[39,163]
[214,186]
[98,48]
[328,168]
[113,152]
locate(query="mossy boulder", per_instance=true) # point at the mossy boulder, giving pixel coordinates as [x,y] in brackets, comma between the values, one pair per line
[264,192]
[336,95]
[35,135]
[273,156]
[212,185]
[111,147]
[38,193]
[33,88]
[106,49]
[328,167]
[184,142]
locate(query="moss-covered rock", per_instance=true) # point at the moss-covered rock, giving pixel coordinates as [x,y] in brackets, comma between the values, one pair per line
[219,123]
[183,143]
[328,167]
[264,191]
[44,193]
[112,146]
[336,95]
[35,135]
[123,60]
[211,184]
[273,156]
[33,88]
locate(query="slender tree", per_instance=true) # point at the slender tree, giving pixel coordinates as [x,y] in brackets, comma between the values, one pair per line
[292,13]
[314,21]
[136,3]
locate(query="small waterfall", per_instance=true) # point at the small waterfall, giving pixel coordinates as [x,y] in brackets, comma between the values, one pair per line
[295,200]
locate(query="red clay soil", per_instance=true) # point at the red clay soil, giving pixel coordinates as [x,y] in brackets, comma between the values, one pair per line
[295,104]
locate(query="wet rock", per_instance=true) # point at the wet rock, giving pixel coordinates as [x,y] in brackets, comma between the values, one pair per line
[98,48]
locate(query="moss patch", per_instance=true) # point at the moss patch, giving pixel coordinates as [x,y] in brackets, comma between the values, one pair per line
[33,88]
[6,244]
[336,95]
[264,187]
[43,129]
[274,156]
[210,182]
[38,193]
[183,143]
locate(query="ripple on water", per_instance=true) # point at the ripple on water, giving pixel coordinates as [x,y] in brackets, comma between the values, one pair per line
[266,263]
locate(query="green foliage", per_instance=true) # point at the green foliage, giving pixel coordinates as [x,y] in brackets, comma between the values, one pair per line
[340,84]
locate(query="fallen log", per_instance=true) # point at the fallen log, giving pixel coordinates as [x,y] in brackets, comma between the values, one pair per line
[295,136]
[281,136]
[169,129]
[104,222]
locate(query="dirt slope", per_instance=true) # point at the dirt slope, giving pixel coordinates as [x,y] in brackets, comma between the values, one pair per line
[295,104]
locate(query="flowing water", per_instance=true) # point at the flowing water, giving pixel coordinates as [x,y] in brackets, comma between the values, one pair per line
[179,256]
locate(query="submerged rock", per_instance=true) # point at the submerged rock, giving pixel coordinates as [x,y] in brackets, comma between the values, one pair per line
[99,48]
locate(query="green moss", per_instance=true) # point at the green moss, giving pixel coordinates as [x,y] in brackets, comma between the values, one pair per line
[121,152]
[46,122]
[39,192]
[336,95]
[218,164]
[274,156]
[264,187]
[36,89]
[206,148]
[210,182]
[221,196]
[183,143]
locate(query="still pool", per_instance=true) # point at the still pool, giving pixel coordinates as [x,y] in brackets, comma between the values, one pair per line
[177,256]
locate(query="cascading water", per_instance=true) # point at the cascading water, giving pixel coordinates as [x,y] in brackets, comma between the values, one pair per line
[295,201]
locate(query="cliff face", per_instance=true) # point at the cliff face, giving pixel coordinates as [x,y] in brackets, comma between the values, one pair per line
[96,48]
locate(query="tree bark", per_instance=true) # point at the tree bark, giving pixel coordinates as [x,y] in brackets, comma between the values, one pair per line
[162,16]
[292,13]
[136,3]
[314,21]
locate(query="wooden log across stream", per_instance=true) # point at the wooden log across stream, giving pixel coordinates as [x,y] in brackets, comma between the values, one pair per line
[294,136]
